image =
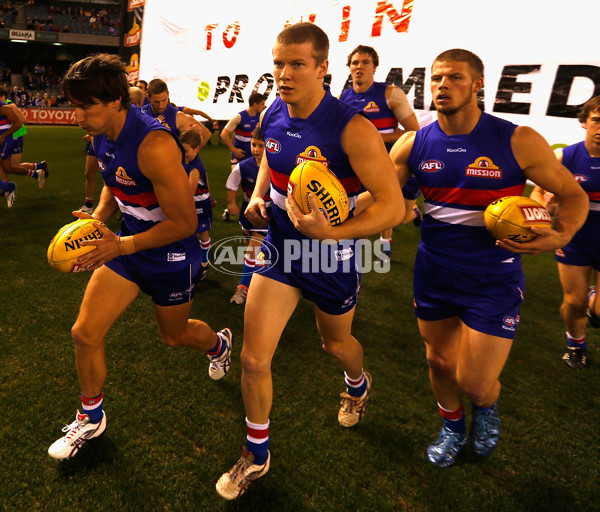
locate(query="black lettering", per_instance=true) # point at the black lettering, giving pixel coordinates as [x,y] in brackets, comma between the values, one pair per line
[322,194]
[313,185]
[557,105]
[223,83]
[416,79]
[265,78]
[508,85]
[70,246]
[239,83]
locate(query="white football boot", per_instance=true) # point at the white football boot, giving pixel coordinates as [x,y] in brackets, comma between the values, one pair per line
[219,365]
[77,433]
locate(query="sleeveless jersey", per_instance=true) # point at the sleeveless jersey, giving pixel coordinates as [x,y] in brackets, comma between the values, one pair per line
[248,174]
[243,131]
[5,124]
[168,118]
[586,170]
[460,175]
[21,131]
[290,141]
[134,193]
[374,105]
[201,194]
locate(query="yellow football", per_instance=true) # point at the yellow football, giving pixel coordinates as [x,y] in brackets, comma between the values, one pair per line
[65,248]
[513,217]
[313,177]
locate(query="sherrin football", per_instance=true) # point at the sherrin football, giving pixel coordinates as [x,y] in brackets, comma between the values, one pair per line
[65,248]
[313,177]
[513,217]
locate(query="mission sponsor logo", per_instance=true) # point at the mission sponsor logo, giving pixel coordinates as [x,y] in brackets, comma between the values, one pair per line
[483,167]
[431,166]
[312,153]
[371,107]
[123,179]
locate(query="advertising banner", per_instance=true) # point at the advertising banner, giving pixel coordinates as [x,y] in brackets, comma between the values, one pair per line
[131,37]
[541,59]
[49,115]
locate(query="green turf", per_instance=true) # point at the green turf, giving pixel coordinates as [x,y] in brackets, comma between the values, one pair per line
[172,431]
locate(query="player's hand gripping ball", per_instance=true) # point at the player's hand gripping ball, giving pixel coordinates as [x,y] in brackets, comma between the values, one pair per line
[312,177]
[65,248]
[513,217]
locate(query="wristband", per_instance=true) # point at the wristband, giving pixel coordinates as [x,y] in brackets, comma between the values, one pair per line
[126,245]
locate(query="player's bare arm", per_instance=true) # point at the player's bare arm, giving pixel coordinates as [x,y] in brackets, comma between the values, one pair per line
[541,166]
[398,103]
[366,152]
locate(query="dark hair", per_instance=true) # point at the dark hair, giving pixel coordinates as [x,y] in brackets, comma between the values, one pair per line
[460,55]
[157,86]
[257,134]
[364,49]
[3,91]
[97,78]
[142,82]
[303,33]
[588,107]
[191,137]
[256,97]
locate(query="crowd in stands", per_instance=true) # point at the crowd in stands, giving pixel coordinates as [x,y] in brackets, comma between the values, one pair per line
[8,13]
[41,86]
[78,18]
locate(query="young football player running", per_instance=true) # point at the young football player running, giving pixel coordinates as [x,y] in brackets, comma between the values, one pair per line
[468,287]
[307,122]
[244,175]
[156,251]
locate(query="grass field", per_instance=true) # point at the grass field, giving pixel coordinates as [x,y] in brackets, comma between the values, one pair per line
[172,431]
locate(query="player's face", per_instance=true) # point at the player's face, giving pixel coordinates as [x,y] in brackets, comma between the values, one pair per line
[96,118]
[258,148]
[592,128]
[296,73]
[159,102]
[190,152]
[453,86]
[260,106]
[362,69]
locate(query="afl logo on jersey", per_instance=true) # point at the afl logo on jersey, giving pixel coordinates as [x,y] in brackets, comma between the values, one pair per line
[580,178]
[272,146]
[431,166]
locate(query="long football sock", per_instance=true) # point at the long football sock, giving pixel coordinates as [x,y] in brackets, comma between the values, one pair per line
[576,342]
[249,265]
[92,407]
[257,441]
[219,348]
[356,387]
[454,420]
[204,250]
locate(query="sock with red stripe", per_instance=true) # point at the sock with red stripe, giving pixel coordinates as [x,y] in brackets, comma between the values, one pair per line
[454,420]
[356,387]
[249,265]
[204,249]
[219,348]
[92,407]
[576,342]
[89,202]
[257,441]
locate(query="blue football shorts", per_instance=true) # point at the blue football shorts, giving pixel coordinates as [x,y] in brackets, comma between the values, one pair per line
[486,302]
[166,289]
[6,149]
[584,249]
[333,293]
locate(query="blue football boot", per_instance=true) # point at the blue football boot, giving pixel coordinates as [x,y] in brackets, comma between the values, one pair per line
[445,450]
[485,431]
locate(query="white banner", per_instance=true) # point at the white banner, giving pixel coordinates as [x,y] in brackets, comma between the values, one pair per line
[28,35]
[541,58]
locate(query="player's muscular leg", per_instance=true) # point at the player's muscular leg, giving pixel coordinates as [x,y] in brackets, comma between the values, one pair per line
[575,283]
[442,343]
[107,295]
[268,308]
[335,331]
[177,329]
[481,359]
